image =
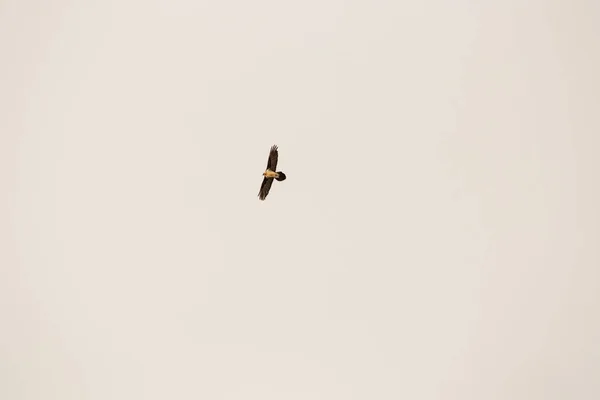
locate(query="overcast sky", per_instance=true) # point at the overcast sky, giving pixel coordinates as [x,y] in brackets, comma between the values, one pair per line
[437,237]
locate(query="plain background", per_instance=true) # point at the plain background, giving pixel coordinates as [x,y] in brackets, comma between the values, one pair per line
[437,238]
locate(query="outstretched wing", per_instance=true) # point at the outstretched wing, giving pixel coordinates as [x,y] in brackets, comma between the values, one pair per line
[264,188]
[273,155]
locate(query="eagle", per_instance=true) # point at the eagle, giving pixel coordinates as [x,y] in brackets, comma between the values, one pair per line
[270,174]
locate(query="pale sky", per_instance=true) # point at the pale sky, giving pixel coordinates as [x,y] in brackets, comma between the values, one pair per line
[437,236]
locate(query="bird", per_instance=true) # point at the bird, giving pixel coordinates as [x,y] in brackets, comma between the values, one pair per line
[270,173]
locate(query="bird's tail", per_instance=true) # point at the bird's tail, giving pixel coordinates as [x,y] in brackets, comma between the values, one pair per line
[281,176]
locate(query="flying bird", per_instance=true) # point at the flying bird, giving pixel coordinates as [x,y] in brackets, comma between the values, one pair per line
[270,174]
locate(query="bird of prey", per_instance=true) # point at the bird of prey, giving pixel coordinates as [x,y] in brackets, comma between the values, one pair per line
[270,174]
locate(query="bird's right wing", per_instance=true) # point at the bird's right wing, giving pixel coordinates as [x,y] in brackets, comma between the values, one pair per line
[264,188]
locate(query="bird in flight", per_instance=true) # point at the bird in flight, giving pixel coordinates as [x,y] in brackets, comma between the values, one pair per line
[270,174]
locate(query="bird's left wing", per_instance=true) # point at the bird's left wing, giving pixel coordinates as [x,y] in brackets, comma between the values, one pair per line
[273,156]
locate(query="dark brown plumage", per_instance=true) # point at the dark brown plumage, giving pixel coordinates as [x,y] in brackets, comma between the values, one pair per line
[270,174]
